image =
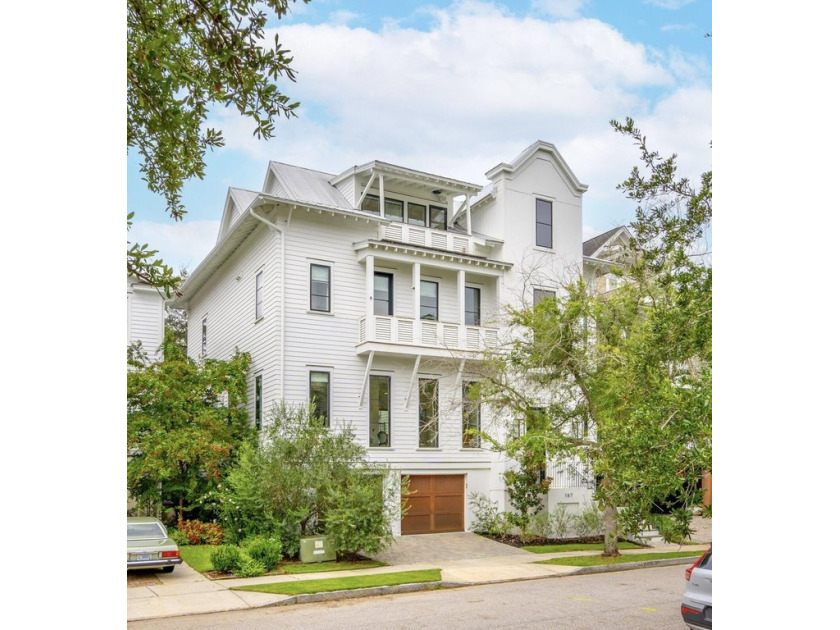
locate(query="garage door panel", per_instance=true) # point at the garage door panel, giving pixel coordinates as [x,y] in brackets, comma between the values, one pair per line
[435,504]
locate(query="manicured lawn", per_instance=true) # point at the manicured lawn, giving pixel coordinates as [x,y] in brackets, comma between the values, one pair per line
[576,547]
[595,561]
[347,583]
[198,557]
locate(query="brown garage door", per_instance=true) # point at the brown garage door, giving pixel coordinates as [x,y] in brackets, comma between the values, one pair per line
[435,504]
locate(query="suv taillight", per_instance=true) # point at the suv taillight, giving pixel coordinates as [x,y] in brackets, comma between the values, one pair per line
[691,568]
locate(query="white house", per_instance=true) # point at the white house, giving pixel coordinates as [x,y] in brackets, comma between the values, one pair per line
[145,316]
[375,292]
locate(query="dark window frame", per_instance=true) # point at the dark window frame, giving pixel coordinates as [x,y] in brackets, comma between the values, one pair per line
[258,401]
[445,216]
[549,225]
[258,295]
[546,294]
[378,434]
[390,277]
[204,336]
[312,401]
[436,317]
[477,312]
[435,428]
[468,409]
[313,294]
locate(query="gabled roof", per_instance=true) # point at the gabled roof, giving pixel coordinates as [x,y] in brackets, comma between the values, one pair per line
[237,201]
[525,157]
[600,246]
[303,184]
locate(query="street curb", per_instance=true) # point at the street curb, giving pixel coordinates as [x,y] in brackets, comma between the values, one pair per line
[366,592]
[627,566]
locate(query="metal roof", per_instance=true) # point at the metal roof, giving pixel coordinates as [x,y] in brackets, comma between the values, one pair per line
[307,186]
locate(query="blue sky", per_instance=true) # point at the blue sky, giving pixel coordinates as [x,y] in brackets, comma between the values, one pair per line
[455,88]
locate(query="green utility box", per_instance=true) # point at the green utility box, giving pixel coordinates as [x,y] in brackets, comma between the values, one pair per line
[316,549]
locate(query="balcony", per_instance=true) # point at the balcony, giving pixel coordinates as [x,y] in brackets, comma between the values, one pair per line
[407,336]
[426,237]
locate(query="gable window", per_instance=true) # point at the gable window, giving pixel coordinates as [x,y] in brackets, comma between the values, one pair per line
[472,306]
[542,294]
[428,396]
[544,236]
[319,395]
[203,336]
[437,217]
[471,413]
[258,401]
[383,293]
[319,288]
[428,300]
[380,410]
[259,295]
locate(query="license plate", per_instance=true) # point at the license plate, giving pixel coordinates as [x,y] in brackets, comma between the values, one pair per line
[144,556]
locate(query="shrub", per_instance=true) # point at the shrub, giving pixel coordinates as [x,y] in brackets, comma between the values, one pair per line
[193,530]
[589,522]
[266,551]
[486,516]
[561,520]
[541,525]
[225,558]
[248,567]
[212,534]
[179,537]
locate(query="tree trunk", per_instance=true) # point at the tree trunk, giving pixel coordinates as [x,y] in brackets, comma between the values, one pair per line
[610,532]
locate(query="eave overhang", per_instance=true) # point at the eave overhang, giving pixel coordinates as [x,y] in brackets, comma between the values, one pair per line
[439,255]
[421,178]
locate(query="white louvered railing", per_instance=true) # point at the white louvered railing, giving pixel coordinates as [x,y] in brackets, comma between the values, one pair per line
[427,237]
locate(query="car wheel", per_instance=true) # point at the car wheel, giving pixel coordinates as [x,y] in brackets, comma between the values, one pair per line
[169,569]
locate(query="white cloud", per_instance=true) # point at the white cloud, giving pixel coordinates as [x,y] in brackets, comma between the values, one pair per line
[181,245]
[672,28]
[343,17]
[477,88]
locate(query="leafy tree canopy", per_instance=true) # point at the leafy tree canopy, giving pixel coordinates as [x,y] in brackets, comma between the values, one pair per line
[184,56]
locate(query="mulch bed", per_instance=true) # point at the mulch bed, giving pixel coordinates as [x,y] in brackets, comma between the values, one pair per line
[514,540]
[215,575]
[143,577]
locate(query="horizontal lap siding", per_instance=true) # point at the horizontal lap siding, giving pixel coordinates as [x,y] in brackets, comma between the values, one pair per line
[146,325]
[229,305]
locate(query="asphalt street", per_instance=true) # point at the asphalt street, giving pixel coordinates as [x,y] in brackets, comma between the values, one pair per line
[641,599]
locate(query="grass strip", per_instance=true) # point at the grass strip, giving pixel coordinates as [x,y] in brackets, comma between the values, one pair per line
[575,547]
[328,585]
[198,557]
[596,561]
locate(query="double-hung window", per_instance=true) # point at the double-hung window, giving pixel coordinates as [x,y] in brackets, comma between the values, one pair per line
[319,288]
[259,295]
[428,300]
[380,410]
[542,294]
[428,396]
[319,395]
[383,293]
[258,401]
[472,306]
[471,416]
[544,223]
[204,336]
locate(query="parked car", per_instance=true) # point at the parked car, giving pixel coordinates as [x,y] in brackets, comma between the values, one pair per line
[697,601]
[149,546]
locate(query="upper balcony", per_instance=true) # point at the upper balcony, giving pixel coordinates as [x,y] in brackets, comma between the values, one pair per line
[413,337]
[455,242]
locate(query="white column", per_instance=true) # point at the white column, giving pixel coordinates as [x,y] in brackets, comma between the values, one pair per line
[369,290]
[415,279]
[381,195]
[462,298]
[469,216]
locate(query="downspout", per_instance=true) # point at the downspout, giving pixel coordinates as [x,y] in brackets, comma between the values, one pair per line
[282,293]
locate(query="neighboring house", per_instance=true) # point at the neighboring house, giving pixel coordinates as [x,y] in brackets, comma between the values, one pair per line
[374,293]
[145,314]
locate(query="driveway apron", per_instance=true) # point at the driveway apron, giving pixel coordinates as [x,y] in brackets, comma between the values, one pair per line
[445,548]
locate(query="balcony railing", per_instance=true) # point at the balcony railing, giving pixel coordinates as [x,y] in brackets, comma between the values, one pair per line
[426,237]
[426,333]
[570,473]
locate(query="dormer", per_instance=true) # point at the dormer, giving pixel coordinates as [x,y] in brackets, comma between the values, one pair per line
[236,202]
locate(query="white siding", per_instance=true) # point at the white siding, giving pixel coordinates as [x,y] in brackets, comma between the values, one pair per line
[145,317]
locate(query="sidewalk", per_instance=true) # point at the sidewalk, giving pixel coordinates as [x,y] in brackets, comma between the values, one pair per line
[187,592]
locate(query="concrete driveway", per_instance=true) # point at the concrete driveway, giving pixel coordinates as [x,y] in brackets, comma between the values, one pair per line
[445,548]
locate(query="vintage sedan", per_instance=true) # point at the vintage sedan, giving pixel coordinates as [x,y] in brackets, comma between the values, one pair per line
[149,546]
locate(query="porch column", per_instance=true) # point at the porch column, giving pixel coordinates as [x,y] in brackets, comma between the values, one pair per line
[369,289]
[462,298]
[469,215]
[381,195]
[415,280]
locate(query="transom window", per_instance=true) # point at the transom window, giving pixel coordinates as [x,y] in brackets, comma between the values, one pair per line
[544,223]
[428,300]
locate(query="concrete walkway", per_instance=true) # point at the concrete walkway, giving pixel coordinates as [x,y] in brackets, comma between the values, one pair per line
[471,559]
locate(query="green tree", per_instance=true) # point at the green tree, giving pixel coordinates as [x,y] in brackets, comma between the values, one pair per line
[184,56]
[627,374]
[304,478]
[186,421]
